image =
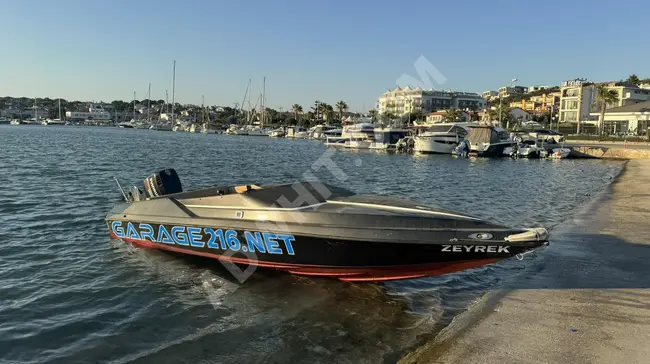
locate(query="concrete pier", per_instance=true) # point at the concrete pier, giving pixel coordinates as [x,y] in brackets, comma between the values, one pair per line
[583,299]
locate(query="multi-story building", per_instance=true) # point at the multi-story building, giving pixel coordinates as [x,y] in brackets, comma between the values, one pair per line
[537,88]
[512,90]
[416,100]
[578,99]
[539,104]
[489,95]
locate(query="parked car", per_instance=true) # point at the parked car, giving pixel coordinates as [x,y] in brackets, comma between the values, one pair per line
[547,136]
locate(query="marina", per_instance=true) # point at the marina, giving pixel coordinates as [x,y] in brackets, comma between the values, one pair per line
[319,183]
[75,260]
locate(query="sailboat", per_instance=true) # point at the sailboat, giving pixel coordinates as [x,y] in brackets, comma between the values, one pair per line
[259,130]
[58,121]
[129,125]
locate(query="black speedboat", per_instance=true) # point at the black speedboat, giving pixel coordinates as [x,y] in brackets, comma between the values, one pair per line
[312,229]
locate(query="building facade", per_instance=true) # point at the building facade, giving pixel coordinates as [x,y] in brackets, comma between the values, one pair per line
[578,101]
[489,95]
[439,117]
[512,90]
[539,104]
[406,100]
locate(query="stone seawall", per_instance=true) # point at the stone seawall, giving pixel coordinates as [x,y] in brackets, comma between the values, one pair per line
[609,153]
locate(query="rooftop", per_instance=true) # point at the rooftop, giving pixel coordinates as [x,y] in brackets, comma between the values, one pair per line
[638,107]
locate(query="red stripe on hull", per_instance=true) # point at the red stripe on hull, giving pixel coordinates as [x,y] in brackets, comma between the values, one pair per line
[350,274]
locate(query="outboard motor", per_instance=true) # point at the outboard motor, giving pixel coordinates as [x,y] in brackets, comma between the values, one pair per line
[162,183]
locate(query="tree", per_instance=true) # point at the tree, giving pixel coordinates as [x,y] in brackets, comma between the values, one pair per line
[633,79]
[297,110]
[327,112]
[341,106]
[605,97]
[316,109]
[373,114]
[452,115]
[505,114]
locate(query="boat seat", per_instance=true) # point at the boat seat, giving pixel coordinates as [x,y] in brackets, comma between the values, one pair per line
[246,188]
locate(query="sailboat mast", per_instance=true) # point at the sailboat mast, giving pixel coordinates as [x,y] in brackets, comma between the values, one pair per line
[149,105]
[173,90]
[133,105]
[263,101]
[202,108]
[248,118]
[166,102]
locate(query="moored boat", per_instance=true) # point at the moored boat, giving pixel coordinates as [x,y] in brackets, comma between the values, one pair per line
[326,230]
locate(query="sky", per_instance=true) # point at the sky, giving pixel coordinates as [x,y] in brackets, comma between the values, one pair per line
[308,50]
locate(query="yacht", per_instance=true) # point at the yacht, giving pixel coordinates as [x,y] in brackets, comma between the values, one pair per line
[320,131]
[161,127]
[277,133]
[359,135]
[486,141]
[388,139]
[4,121]
[257,131]
[441,138]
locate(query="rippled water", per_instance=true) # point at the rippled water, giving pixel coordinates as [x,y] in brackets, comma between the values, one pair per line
[70,294]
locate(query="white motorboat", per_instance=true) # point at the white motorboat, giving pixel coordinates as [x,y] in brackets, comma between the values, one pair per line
[485,141]
[441,138]
[277,133]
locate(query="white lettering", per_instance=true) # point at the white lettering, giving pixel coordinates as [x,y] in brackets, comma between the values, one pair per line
[468,248]
[492,249]
[457,249]
[446,248]
[503,249]
[480,249]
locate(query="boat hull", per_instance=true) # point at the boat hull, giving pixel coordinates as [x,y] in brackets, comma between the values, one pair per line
[349,260]
[433,145]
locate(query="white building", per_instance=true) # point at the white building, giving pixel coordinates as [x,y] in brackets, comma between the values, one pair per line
[537,88]
[416,100]
[519,114]
[489,95]
[512,90]
[633,118]
[439,117]
[578,99]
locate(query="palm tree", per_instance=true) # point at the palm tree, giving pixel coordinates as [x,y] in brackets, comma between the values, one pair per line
[341,106]
[606,97]
[316,108]
[452,115]
[327,111]
[297,109]
[373,114]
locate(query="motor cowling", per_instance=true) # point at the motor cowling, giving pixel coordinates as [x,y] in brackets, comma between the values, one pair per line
[162,183]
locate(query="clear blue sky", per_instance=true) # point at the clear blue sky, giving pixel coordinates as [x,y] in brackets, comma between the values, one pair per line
[309,49]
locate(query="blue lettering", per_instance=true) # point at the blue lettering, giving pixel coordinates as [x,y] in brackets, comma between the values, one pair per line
[116,226]
[287,239]
[222,239]
[212,243]
[272,245]
[163,235]
[254,242]
[195,237]
[178,232]
[131,232]
[147,234]
[232,241]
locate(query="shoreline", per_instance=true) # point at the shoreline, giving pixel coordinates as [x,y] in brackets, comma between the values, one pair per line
[583,299]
